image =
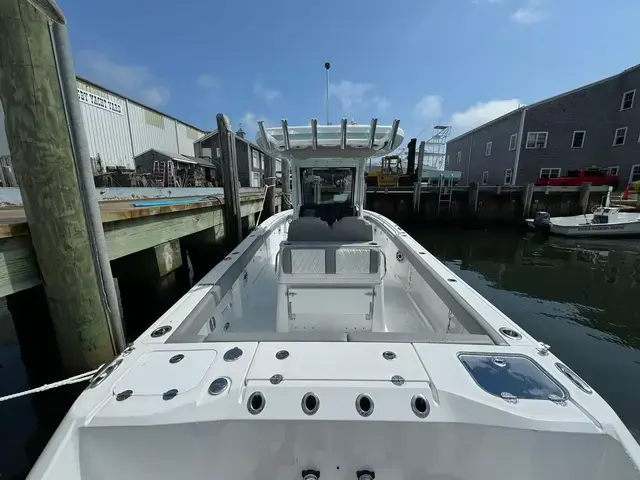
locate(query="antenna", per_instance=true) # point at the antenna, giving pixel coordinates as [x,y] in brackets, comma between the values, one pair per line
[327,66]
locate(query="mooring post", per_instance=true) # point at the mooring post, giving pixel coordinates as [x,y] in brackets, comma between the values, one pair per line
[585,193]
[285,200]
[527,199]
[417,186]
[232,215]
[269,186]
[474,191]
[40,146]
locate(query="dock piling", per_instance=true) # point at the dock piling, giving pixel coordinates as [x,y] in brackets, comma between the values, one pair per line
[41,152]
[232,216]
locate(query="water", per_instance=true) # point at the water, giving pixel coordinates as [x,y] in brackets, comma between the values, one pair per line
[581,297]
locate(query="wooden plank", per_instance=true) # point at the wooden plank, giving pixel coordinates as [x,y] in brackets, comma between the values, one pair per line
[18,266]
[19,269]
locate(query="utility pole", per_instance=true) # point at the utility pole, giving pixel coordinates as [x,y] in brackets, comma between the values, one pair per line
[327,66]
[42,157]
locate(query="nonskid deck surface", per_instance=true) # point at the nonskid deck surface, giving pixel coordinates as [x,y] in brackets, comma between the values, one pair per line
[259,302]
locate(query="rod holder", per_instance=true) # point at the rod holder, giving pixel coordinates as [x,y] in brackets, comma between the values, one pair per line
[394,132]
[314,133]
[372,133]
[285,133]
[343,133]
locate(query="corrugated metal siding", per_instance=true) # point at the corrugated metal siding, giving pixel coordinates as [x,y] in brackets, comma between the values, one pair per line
[186,137]
[107,131]
[151,130]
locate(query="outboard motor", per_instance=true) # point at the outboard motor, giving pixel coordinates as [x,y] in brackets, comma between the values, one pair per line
[542,220]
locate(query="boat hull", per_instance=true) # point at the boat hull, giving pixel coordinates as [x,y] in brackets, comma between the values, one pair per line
[631,229]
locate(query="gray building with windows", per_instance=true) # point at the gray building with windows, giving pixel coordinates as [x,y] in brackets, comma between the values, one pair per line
[597,125]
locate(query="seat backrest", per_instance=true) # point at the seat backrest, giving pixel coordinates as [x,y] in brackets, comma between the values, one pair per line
[352,229]
[309,229]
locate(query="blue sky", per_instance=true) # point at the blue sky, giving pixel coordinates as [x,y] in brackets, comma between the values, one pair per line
[460,62]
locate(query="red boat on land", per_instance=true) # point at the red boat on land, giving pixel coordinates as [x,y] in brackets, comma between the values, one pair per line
[595,176]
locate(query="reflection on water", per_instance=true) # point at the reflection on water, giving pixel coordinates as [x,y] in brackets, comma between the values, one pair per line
[582,297]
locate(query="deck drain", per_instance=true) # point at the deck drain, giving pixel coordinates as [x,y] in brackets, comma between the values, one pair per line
[310,403]
[160,331]
[507,332]
[282,354]
[397,380]
[399,256]
[219,385]
[232,355]
[420,406]
[170,394]
[388,355]
[176,358]
[124,395]
[256,403]
[364,405]
[276,379]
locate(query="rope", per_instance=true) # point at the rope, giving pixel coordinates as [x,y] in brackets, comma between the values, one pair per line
[83,377]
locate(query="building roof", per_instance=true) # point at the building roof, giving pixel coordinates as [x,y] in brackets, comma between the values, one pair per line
[180,158]
[215,132]
[546,100]
[112,92]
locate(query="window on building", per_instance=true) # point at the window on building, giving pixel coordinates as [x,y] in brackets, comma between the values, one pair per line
[613,170]
[255,159]
[578,139]
[153,118]
[635,173]
[485,178]
[459,158]
[513,142]
[192,133]
[508,173]
[550,172]
[447,160]
[620,136]
[487,149]
[255,180]
[627,100]
[537,140]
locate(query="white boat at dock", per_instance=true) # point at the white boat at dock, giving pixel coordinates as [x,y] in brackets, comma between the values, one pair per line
[605,221]
[330,344]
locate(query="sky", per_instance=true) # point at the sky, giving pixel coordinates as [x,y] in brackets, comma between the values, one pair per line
[455,62]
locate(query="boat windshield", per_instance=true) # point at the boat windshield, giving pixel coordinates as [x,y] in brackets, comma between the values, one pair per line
[327,185]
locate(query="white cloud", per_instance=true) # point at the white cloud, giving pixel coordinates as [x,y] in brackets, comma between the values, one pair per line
[267,94]
[134,80]
[429,107]
[481,113]
[354,96]
[249,123]
[207,80]
[532,12]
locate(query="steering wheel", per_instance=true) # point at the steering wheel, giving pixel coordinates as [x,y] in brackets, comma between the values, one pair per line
[595,208]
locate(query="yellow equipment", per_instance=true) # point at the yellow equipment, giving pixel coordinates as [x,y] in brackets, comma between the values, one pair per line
[390,174]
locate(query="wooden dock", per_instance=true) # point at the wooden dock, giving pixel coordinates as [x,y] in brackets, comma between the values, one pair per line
[128,230]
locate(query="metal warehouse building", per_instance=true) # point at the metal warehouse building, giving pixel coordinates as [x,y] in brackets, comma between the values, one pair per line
[595,125]
[118,128]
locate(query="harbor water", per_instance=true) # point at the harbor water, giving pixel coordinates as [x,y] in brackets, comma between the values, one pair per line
[582,297]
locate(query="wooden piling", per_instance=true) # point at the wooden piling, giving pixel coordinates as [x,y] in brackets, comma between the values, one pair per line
[286,185]
[417,186]
[230,184]
[527,199]
[474,191]
[42,159]
[270,186]
[585,193]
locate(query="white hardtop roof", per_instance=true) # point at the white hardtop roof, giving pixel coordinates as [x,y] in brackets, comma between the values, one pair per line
[321,142]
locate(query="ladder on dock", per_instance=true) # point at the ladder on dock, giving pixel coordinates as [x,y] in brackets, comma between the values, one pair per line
[158,173]
[445,194]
